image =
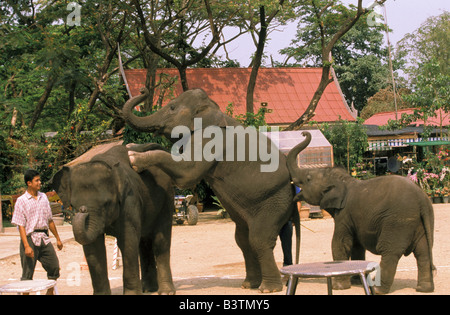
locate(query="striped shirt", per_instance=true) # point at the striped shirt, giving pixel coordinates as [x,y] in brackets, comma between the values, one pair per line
[33,214]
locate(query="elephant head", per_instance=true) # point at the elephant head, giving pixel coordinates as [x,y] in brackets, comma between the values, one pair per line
[93,191]
[324,187]
[180,111]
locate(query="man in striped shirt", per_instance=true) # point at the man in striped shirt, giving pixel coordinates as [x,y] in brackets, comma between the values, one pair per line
[33,216]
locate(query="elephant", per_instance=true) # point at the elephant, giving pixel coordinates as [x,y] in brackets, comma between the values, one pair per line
[109,197]
[258,200]
[388,215]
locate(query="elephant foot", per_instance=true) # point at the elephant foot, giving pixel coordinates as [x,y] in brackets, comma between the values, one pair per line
[249,284]
[425,287]
[166,289]
[135,161]
[149,288]
[380,290]
[132,292]
[270,287]
[341,283]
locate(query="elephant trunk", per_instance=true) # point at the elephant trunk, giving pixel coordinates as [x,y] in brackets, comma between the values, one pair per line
[147,123]
[292,156]
[85,229]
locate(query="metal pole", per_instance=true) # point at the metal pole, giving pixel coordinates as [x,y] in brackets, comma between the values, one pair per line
[390,62]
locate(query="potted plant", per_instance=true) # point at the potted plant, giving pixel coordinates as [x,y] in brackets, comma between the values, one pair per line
[437,195]
[445,194]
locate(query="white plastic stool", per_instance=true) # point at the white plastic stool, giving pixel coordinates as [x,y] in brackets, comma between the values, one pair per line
[28,286]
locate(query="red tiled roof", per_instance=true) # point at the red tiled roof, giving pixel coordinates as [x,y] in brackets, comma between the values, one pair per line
[383,118]
[287,91]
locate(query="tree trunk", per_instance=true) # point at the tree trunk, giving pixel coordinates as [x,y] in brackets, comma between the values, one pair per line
[183,78]
[310,111]
[327,61]
[41,103]
[150,80]
[73,86]
[257,60]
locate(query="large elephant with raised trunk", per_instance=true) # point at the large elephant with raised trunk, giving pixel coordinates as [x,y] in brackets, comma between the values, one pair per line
[109,197]
[388,216]
[254,188]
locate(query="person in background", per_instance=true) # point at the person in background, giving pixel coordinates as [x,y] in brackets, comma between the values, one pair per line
[33,216]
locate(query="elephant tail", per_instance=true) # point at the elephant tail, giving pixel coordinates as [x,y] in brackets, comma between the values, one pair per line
[296,221]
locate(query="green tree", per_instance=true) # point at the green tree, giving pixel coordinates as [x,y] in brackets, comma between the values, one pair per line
[429,43]
[328,22]
[349,141]
[359,57]
[426,51]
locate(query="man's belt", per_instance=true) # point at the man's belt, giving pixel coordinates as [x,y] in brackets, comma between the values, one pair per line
[41,231]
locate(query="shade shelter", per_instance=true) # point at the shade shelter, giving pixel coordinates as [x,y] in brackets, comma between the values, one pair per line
[319,152]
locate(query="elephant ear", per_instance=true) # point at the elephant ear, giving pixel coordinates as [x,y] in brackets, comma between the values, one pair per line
[334,197]
[61,184]
[121,179]
[210,114]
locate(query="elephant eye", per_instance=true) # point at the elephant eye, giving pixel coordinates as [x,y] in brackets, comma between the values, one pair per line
[172,107]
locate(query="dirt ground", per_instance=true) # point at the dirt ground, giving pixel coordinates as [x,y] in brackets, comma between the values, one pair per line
[206,261]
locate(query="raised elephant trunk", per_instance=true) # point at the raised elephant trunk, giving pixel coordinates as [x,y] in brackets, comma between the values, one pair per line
[146,124]
[292,156]
[85,229]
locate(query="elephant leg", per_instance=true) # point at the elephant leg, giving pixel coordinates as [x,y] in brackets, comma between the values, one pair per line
[262,241]
[253,270]
[161,245]
[358,253]
[130,257]
[342,247]
[388,266]
[95,254]
[424,266]
[148,266]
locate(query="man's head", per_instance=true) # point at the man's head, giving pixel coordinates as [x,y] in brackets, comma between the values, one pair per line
[32,179]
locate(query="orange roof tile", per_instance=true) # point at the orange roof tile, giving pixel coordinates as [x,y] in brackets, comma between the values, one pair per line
[381,119]
[287,91]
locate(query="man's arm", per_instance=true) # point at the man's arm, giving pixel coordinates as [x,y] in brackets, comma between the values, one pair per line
[23,236]
[20,220]
[52,227]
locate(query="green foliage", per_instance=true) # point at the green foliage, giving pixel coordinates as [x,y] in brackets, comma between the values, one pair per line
[249,119]
[359,57]
[131,135]
[383,101]
[349,141]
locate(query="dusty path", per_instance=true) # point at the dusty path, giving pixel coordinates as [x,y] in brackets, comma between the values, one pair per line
[207,261]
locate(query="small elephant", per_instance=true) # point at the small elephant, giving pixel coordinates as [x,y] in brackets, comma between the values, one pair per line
[258,200]
[109,197]
[388,216]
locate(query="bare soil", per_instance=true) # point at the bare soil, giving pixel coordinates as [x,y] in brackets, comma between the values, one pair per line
[206,261]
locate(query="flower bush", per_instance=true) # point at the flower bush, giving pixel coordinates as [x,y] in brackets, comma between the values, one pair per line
[433,176]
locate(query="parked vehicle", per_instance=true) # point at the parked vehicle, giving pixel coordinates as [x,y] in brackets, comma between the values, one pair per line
[185,211]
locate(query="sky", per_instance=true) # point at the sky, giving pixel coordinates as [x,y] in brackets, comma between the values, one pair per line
[403,17]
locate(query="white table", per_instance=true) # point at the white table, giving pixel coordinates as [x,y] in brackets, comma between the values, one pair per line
[28,286]
[328,270]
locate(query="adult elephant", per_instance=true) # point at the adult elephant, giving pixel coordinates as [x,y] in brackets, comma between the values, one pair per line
[257,195]
[388,216]
[110,197]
